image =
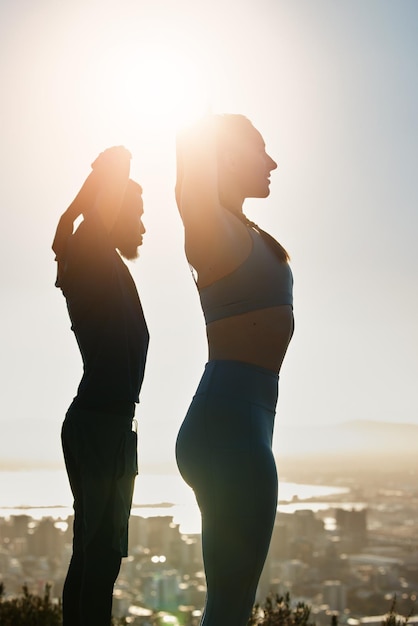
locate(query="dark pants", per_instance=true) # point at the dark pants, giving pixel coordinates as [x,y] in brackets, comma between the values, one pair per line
[224,453]
[100,452]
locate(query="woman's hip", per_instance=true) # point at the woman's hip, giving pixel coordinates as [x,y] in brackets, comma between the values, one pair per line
[232,414]
[239,380]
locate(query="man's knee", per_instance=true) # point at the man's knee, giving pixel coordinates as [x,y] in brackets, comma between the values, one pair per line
[101,564]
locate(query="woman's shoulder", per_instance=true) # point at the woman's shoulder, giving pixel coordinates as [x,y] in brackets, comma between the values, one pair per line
[219,251]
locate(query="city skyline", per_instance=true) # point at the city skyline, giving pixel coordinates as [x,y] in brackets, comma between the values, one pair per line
[353,562]
[331,88]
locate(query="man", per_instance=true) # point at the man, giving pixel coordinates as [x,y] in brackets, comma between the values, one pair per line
[98,439]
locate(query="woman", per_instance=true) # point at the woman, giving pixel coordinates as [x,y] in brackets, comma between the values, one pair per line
[245,285]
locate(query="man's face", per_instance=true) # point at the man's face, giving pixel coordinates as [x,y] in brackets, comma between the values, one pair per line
[129,229]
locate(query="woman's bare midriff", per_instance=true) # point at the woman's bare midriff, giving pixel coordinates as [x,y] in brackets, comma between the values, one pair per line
[259,337]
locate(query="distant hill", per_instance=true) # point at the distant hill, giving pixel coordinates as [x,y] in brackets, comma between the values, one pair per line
[29,444]
[357,436]
[356,446]
[354,449]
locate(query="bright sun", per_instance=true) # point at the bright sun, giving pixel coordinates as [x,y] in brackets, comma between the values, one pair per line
[153,85]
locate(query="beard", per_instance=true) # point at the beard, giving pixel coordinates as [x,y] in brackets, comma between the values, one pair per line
[127,237]
[127,244]
[128,250]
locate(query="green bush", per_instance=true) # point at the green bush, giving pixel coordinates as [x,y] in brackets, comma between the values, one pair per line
[276,611]
[393,619]
[32,610]
[29,609]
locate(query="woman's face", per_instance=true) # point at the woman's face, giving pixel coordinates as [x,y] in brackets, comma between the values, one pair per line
[250,166]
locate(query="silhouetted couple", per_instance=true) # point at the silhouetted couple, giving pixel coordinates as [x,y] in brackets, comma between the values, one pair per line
[224,445]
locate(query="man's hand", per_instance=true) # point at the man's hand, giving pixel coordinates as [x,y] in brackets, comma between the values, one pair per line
[111,174]
[104,188]
[113,161]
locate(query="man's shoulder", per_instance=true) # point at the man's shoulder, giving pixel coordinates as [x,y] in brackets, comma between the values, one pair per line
[90,239]
[90,228]
[90,263]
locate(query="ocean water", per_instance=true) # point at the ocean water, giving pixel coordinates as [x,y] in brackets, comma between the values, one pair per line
[42,493]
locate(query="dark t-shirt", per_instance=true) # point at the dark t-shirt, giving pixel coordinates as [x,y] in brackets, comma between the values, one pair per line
[107,320]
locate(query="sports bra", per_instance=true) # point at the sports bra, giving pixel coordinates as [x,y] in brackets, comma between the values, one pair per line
[260,282]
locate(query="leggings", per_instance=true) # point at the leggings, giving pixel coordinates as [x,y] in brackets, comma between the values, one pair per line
[224,453]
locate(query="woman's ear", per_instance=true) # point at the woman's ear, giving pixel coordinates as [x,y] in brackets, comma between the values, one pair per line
[228,160]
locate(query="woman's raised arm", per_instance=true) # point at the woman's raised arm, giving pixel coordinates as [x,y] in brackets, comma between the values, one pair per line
[197,194]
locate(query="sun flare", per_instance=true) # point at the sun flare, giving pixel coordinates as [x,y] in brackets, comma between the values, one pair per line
[151,85]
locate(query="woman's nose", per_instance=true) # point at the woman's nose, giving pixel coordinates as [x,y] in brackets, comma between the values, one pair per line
[272,163]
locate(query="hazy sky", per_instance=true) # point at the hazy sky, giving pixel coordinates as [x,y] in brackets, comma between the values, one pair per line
[332,86]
